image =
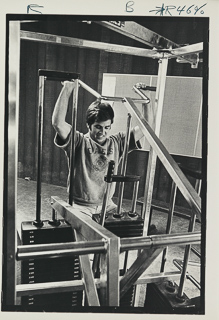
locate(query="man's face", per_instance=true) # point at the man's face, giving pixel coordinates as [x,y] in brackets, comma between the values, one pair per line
[100,130]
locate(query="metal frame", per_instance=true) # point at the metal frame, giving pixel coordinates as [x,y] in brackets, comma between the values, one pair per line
[10,168]
[110,247]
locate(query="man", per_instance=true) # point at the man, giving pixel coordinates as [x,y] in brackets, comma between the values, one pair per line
[93,151]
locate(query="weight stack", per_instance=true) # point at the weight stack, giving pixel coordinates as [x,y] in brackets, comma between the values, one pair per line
[161,298]
[125,226]
[50,269]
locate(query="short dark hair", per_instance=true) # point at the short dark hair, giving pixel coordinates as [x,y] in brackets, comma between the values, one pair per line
[98,112]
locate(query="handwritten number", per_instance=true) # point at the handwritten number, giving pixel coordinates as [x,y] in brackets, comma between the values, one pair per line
[129,6]
[167,9]
[31,6]
[188,11]
[197,9]
[180,10]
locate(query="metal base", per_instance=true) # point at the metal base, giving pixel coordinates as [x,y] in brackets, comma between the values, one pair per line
[161,300]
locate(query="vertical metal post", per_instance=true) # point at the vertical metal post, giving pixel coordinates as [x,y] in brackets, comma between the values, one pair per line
[109,274]
[73,135]
[124,164]
[113,272]
[10,168]
[169,221]
[186,259]
[159,98]
[38,221]
[134,197]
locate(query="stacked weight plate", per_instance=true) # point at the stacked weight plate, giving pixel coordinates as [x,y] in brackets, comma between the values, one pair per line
[50,269]
[124,226]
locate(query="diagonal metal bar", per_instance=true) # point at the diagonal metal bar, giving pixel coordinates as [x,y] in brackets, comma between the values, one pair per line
[80,222]
[87,274]
[144,260]
[150,38]
[139,33]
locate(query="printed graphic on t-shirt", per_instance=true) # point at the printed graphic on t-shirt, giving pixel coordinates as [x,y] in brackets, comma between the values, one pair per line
[101,163]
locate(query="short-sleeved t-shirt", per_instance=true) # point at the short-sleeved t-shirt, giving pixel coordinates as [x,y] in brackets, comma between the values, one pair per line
[91,164]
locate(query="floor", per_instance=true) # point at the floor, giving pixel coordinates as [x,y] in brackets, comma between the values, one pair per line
[26,211]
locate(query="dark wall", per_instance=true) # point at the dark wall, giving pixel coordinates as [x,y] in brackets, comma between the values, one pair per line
[91,64]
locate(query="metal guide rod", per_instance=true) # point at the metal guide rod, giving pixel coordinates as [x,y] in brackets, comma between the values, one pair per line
[188,276]
[73,136]
[149,182]
[38,221]
[171,166]
[134,198]
[124,164]
[108,180]
[169,222]
[55,76]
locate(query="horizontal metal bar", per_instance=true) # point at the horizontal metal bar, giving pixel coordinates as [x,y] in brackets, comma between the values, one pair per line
[87,44]
[42,251]
[58,75]
[187,50]
[49,287]
[78,285]
[171,166]
[122,99]
[128,178]
[108,47]
[159,241]
[158,277]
